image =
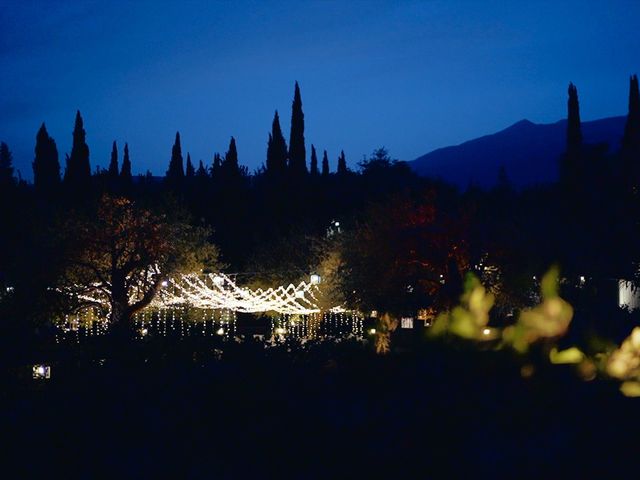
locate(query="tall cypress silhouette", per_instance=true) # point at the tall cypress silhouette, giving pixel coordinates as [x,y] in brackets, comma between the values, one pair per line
[314,161]
[175,173]
[297,153]
[276,149]
[125,172]
[631,139]
[202,171]
[230,163]
[216,165]
[78,170]
[325,164]
[571,168]
[190,172]
[574,132]
[6,166]
[342,164]
[113,164]
[46,166]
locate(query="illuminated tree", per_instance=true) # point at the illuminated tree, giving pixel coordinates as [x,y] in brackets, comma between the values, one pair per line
[297,153]
[404,255]
[46,167]
[121,255]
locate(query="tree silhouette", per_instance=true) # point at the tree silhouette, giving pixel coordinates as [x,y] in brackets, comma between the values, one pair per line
[571,168]
[125,173]
[314,162]
[216,165]
[276,149]
[325,164]
[175,173]
[6,166]
[202,171]
[631,139]
[190,170]
[46,167]
[342,164]
[78,170]
[297,153]
[230,165]
[113,164]
[574,132]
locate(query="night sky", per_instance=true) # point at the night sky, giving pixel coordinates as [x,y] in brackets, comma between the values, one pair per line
[412,76]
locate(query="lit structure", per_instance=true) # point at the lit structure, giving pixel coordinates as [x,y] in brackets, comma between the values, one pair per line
[220,292]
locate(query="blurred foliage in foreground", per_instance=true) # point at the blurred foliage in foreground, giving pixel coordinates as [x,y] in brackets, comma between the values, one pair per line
[539,328]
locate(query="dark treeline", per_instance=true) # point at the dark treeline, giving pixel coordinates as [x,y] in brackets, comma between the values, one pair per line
[381,236]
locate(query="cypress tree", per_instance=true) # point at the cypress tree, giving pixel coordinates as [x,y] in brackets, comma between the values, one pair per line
[78,170]
[125,173]
[570,166]
[6,166]
[216,165]
[631,139]
[175,173]
[113,165]
[297,153]
[230,164]
[325,164]
[46,167]
[342,164]
[314,161]
[276,149]
[574,133]
[202,171]
[190,170]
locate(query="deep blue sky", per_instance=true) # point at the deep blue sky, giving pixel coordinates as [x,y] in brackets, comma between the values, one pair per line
[412,76]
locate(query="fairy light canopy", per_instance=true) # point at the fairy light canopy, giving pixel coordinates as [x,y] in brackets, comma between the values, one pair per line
[219,291]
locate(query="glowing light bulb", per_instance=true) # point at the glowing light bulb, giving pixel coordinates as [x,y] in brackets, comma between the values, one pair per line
[220,331]
[372,331]
[486,331]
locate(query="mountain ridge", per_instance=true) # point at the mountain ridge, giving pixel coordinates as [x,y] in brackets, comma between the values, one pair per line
[529,151]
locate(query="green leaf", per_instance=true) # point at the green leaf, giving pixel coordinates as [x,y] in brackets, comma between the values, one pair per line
[630,389]
[570,355]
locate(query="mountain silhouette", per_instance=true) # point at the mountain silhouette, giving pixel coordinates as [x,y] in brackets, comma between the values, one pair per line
[529,151]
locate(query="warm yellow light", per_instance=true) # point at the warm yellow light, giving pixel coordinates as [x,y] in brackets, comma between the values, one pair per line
[220,331]
[372,331]
[486,331]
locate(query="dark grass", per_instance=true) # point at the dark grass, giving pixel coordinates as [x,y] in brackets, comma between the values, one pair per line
[333,410]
